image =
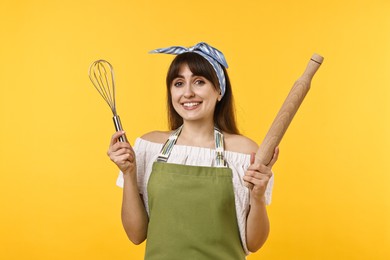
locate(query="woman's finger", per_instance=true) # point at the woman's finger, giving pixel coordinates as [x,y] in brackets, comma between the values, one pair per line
[256,181]
[274,157]
[115,137]
[252,161]
[259,168]
[121,160]
[120,145]
[117,146]
[259,175]
[121,152]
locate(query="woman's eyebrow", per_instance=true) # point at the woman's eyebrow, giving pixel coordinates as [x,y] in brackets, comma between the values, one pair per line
[182,76]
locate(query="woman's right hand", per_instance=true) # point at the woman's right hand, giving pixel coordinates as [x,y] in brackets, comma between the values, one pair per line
[122,154]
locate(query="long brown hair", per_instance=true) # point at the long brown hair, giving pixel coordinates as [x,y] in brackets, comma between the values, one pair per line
[224,114]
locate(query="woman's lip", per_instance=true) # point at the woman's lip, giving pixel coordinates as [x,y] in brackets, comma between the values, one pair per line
[191,106]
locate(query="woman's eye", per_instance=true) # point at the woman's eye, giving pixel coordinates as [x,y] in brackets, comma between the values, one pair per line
[200,82]
[178,84]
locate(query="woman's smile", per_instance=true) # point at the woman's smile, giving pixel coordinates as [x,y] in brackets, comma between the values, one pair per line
[191,105]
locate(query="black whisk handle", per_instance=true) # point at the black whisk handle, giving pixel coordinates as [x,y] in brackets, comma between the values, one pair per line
[118,127]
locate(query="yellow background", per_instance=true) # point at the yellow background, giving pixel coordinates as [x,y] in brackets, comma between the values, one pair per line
[58,197]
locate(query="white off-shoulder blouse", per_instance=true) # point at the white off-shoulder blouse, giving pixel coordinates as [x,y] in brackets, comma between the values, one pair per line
[147,152]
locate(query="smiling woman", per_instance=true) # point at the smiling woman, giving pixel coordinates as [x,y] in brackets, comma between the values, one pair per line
[193,97]
[193,202]
[199,66]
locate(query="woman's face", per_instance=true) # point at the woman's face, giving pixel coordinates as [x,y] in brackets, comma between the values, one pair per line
[193,97]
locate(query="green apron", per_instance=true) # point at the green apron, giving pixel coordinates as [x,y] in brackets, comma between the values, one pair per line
[192,210]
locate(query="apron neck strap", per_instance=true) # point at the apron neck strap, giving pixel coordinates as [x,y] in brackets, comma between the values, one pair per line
[219,147]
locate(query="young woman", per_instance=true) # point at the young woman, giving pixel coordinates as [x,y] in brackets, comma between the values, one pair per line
[195,203]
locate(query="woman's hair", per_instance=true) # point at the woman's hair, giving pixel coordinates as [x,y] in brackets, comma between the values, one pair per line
[224,114]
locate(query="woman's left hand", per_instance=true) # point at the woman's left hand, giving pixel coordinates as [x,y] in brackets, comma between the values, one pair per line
[258,176]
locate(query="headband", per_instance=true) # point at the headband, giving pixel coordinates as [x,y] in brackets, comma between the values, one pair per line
[211,54]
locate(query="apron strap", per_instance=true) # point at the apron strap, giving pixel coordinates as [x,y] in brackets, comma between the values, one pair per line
[219,147]
[168,146]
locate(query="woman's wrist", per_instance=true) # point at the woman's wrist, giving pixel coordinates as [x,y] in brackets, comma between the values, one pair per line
[129,177]
[258,201]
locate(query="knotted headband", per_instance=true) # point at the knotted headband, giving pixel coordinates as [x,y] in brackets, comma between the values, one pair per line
[211,54]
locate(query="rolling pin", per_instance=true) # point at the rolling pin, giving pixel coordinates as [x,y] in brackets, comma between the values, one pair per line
[286,113]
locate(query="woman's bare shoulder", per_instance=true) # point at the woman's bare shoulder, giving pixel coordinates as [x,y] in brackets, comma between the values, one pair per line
[156,136]
[239,144]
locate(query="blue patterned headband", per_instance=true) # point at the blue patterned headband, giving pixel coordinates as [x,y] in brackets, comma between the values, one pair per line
[211,54]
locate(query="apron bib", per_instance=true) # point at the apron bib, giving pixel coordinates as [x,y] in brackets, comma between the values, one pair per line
[192,209]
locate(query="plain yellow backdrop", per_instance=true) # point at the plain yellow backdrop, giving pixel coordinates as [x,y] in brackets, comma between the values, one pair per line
[58,198]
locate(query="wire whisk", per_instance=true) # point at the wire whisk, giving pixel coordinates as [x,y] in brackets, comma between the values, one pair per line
[101,74]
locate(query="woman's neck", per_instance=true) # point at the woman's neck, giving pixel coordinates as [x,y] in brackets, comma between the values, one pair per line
[194,134]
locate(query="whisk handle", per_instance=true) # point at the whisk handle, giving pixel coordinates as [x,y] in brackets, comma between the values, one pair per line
[118,127]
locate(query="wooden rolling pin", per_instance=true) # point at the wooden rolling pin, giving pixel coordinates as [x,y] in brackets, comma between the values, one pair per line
[286,113]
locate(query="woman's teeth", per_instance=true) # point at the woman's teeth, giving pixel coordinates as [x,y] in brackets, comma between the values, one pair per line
[190,104]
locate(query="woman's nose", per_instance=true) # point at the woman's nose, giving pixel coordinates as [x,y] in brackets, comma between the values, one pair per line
[188,91]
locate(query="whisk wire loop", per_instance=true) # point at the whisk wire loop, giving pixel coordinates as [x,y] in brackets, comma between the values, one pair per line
[105,82]
[101,74]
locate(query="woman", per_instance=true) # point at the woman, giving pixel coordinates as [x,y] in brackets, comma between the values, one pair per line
[194,203]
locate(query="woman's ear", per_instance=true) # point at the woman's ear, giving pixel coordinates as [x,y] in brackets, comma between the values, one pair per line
[220,96]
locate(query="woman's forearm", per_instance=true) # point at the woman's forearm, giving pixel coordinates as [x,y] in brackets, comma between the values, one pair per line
[134,216]
[257,226]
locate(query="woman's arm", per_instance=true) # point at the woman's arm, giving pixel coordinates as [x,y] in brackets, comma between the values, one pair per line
[134,217]
[257,226]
